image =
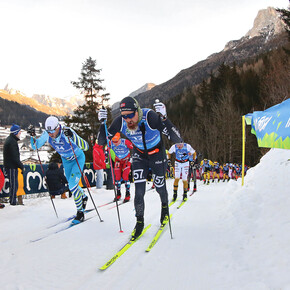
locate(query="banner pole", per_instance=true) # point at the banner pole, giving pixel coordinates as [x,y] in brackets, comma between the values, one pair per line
[243,148]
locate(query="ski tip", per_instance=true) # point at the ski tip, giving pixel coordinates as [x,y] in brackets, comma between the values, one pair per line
[121,231]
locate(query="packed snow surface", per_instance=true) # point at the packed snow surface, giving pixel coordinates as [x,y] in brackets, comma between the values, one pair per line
[224,237]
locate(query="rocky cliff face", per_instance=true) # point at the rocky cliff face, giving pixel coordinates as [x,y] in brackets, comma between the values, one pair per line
[265,35]
[266,23]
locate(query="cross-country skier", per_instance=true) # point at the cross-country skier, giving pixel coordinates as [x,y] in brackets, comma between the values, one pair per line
[181,166]
[57,136]
[143,127]
[206,168]
[216,171]
[226,172]
[122,168]
[192,170]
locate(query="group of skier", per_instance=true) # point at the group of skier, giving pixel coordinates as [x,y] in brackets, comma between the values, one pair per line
[142,128]
[209,170]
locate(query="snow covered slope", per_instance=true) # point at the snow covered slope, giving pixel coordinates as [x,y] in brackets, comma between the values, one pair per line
[224,237]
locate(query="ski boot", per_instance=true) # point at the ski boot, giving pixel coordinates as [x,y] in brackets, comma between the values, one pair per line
[138,228]
[185,196]
[85,200]
[80,217]
[208,182]
[174,196]
[127,196]
[164,212]
[118,195]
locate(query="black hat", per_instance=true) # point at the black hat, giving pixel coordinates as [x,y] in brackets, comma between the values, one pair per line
[129,104]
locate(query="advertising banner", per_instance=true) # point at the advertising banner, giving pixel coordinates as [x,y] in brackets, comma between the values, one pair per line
[32,181]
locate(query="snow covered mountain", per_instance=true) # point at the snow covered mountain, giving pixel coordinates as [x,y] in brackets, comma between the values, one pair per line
[67,105]
[43,103]
[266,34]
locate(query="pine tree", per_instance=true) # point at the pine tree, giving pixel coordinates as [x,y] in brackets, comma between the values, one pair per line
[285,16]
[85,118]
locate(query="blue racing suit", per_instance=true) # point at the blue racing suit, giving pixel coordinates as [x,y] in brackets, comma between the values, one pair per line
[62,146]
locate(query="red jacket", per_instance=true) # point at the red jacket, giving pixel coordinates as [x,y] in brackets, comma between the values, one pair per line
[2,179]
[99,157]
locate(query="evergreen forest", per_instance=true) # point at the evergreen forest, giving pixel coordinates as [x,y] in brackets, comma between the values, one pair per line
[209,115]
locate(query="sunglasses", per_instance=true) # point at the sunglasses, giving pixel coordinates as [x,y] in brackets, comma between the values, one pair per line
[51,131]
[129,116]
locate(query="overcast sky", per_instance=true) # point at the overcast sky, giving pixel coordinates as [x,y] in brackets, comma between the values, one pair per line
[45,42]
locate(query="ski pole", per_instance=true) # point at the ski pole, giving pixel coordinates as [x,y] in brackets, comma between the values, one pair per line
[85,179]
[164,158]
[169,219]
[34,141]
[113,175]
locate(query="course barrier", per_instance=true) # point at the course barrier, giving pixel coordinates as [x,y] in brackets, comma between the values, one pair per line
[32,181]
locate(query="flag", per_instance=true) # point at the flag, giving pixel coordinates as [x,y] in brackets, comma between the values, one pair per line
[272,126]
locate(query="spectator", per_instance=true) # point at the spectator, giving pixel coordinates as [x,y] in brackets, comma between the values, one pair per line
[99,164]
[12,162]
[56,181]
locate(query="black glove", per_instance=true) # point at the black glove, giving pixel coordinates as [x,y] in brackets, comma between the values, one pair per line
[31,130]
[192,163]
[68,133]
[169,162]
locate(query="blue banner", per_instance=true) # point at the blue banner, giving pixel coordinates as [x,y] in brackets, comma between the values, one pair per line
[32,181]
[272,126]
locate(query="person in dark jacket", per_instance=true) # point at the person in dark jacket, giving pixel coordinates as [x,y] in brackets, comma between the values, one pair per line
[12,162]
[56,181]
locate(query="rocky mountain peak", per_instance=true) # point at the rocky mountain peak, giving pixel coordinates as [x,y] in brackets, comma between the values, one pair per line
[262,38]
[266,22]
[145,88]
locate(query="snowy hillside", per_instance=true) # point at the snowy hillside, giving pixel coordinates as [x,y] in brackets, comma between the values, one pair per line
[224,237]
